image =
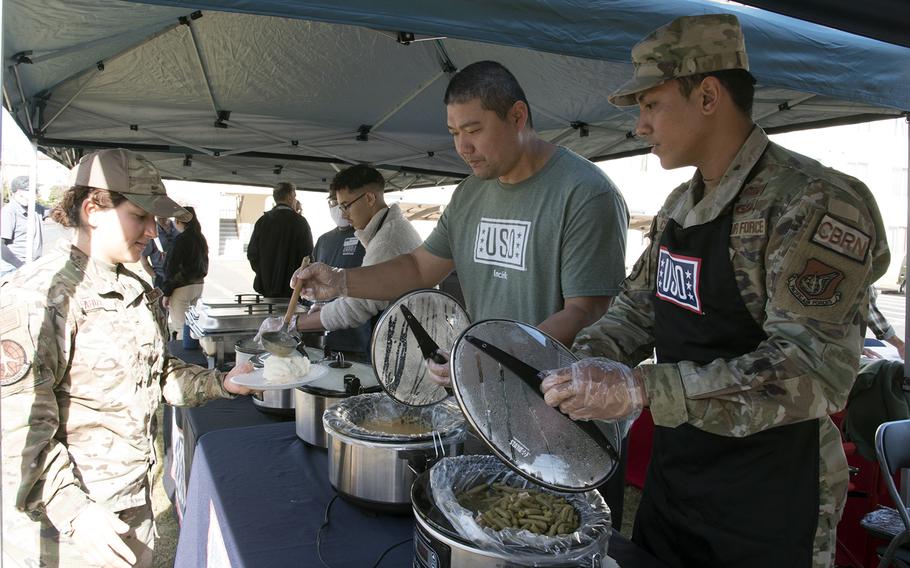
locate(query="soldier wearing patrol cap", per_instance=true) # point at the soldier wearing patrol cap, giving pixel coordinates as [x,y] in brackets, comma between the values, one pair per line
[83,369]
[751,293]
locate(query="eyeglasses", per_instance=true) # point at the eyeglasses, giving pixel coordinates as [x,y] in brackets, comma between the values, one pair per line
[346,206]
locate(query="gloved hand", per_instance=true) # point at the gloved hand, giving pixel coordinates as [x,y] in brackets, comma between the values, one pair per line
[594,389]
[439,372]
[96,532]
[275,323]
[321,282]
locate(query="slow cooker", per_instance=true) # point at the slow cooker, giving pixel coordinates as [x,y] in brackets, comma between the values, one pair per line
[375,467]
[344,379]
[437,543]
[279,402]
[497,366]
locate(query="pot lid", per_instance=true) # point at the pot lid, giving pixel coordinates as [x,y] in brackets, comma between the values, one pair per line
[249,345]
[409,330]
[494,371]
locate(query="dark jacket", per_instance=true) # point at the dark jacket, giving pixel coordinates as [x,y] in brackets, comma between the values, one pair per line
[280,240]
[187,263]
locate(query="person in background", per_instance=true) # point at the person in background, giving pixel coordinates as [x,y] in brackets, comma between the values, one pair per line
[84,368]
[881,327]
[155,254]
[381,229]
[341,248]
[280,240]
[751,293]
[14,228]
[185,270]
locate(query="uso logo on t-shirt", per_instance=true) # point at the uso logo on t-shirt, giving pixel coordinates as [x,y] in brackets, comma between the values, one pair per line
[678,279]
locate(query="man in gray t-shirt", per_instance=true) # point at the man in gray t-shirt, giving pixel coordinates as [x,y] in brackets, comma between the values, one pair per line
[14,228]
[537,234]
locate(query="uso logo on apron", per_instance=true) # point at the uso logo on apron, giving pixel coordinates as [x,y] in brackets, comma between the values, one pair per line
[678,278]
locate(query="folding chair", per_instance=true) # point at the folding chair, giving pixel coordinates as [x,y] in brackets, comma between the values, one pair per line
[892,446]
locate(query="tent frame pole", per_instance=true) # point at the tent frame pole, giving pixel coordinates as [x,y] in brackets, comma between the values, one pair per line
[46,125]
[28,114]
[404,102]
[203,66]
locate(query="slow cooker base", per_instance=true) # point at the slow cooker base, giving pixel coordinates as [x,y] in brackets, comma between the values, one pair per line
[403,509]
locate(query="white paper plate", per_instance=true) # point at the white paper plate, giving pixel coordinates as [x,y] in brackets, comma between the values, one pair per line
[256,380]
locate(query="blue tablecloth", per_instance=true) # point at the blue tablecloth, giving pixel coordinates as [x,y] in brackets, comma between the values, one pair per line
[184,426]
[258,495]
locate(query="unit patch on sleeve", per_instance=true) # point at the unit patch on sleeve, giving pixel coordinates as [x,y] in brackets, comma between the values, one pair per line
[816,285]
[678,280]
[13,362]
[842,238]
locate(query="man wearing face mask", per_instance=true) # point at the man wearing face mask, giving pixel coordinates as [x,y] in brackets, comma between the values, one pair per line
[14,228]
[341,248]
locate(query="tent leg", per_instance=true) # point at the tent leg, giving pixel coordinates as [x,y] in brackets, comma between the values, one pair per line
[905,474]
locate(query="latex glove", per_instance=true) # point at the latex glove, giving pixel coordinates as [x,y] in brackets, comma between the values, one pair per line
[439,372]
[321,282]
[244,368]
[275,323]
[594,389]
[96,531]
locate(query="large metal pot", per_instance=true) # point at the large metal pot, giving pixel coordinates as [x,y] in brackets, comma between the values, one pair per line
[245,349]
[343,380]
[374,469]
[437,543]
[277,402]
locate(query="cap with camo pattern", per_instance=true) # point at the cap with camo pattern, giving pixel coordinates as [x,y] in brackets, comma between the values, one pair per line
[686,46]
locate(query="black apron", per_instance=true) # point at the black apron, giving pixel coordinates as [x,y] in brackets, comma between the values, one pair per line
[710,500]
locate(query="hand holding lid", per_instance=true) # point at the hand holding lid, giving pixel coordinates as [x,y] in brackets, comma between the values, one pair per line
[594,389]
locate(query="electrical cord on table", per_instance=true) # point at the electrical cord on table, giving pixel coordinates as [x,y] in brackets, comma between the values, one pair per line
[325,523]
[390,549]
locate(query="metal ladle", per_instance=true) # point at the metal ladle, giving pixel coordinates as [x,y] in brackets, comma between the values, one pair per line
[281,343]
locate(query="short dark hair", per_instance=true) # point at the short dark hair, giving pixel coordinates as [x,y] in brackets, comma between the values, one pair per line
[490,82]
[356,177]
[19,183]
[283,190]
[739,82]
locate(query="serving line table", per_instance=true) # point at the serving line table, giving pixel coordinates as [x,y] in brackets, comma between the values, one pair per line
[258,495]
[183,427]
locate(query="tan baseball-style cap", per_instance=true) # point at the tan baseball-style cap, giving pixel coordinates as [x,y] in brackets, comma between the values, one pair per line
[686,46]
[130,174]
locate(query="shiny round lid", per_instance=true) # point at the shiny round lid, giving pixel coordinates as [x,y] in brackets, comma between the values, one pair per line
[249,346]
[409,329]
[495,371]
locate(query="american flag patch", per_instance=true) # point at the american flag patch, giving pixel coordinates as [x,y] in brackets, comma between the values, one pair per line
[678,279]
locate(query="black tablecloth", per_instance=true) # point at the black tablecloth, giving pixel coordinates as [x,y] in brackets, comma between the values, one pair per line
[258,495]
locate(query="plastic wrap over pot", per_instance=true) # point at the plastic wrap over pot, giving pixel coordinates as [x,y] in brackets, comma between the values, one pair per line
[451,476]
[347,417]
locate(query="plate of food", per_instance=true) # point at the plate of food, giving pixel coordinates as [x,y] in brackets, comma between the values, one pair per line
[278,373]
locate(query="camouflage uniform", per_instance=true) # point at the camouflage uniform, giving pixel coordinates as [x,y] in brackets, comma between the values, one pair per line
[790,218]
[84,369]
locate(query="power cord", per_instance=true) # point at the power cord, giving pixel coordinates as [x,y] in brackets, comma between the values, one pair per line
[390,549]
[325,523]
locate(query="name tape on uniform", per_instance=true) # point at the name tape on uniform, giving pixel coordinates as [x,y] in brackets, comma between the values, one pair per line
[748,228]
[842,238]
[678,279]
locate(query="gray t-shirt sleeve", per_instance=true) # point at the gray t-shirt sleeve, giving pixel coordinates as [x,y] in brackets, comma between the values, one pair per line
[438,243]
[593,247]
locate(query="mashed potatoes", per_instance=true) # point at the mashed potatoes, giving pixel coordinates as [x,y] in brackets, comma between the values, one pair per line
[278,370]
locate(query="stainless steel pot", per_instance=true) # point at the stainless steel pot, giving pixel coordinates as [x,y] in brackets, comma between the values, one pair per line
[438,545]
[278,402]
[378,474]
[311,401]
[245,349]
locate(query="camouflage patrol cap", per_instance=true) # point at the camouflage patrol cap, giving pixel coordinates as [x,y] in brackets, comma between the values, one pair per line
[686,46]
[132,175]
